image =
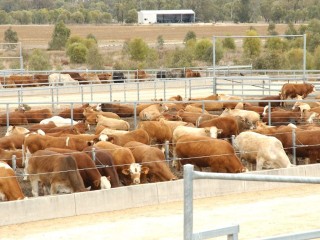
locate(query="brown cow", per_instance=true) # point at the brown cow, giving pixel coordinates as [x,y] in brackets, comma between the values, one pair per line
[122,110]
[292,90]
[192,74]
[141,75]
[35,116]
[7,156]
[34,142]
[217,154]
[228,125]
[77,112]
[90,175]
[158,131]
[91,115]
[125,163]
[154,159]
[105,77]
[195,118]
[15,118]
[56,172]
[307,140]
[12,142]
[273,104]
[152,112]
[112,123]
[139,135]
[285,117]
[10,189]
[104,163]
[80,127]
[44,127]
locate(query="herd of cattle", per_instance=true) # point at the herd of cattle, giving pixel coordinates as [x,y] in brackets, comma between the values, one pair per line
[96,147]
[76,78]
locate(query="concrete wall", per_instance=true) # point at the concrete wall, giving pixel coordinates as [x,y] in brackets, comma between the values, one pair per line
[49,207]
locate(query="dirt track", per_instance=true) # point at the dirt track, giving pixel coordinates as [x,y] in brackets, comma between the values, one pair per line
[259,214]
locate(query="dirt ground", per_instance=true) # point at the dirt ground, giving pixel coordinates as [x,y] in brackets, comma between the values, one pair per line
[259,214]
[115,33]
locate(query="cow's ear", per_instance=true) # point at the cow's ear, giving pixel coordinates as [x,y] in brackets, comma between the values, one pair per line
[145,170]
[126,171]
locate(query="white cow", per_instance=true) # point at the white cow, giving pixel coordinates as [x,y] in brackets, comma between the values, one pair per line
[58,79]
[248,115]
[266,151]
[117,124]
[184,130]
[59,121]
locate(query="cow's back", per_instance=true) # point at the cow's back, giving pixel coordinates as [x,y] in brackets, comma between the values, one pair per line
[217,154]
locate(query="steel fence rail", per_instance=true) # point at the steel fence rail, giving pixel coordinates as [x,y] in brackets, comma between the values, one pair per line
[232,231]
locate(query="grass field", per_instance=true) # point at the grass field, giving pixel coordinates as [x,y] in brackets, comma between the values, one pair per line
[38,36]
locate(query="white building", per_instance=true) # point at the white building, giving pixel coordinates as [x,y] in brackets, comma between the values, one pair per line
[166,16]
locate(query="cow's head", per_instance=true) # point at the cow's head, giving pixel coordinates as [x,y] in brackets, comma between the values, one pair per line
[135,170]
[105,182]
[213,132]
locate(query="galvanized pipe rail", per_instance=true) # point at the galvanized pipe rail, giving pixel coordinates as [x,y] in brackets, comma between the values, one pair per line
[232,231]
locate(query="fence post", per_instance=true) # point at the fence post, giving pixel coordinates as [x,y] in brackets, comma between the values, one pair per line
[7,115]
[93,154]
[188,201]
[110,92]
[138,90]
[203,106]
[52,98]
[269,113]
[135,114]
[14,162]
[294,159]
[166,149]
[232,140]
[164,89]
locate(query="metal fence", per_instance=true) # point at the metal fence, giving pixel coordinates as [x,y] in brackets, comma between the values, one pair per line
[232,231]
[246,86]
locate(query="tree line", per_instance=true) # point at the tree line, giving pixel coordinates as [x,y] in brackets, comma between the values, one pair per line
[126,11]
[274,52]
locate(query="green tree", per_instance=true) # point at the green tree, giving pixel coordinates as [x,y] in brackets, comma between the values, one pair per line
[272,29]
[4,17]
[229,43]
[317,58]
[132,16]
[160,42]
[252,44]
[242,11]
[95,59]
[271,60]
[77,52]
[91,36]
[138,49]
[77,17]
[190,35]
[276,43]
[203,50]
[60,36]
[39,61]
[180,58]
[295,58]
[11,36]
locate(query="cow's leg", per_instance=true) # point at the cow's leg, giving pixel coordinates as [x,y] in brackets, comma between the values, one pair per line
[259,163]
[26,161]
[35,187]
